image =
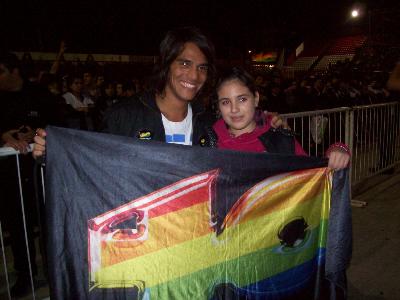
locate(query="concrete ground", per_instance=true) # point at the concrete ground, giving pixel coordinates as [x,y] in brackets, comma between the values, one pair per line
[374,273]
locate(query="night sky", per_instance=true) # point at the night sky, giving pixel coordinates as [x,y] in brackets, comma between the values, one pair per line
[137,27]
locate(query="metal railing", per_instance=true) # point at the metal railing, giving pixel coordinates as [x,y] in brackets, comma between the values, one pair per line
[371,132]
[375,139]
[7,274]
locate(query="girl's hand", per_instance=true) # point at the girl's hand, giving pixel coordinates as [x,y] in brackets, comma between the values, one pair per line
[339,156]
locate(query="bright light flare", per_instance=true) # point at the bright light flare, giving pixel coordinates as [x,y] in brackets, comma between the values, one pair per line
[354,13]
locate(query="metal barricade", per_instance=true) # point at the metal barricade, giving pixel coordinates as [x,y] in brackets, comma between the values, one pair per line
[317,130]
[16,213]
[371,132]
[376,131]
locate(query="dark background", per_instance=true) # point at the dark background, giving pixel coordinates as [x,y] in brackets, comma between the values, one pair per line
[137,26]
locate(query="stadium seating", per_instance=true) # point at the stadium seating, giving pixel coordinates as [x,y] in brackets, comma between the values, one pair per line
[327,52]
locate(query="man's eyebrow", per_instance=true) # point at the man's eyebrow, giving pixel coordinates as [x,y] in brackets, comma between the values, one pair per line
[182,59]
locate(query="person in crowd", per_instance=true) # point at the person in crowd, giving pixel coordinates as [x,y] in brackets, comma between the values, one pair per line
[119,90]
[74,96]
[105,101]
[107,96]
[19,115]
[129,90]
[89,88]
[91,64]
[57,110]
[99,82]
[79,102]
[394,79]
[172,110]
[138,85]
[243,127]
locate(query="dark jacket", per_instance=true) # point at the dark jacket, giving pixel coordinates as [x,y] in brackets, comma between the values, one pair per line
[278,140]
[31,106]
[141,119]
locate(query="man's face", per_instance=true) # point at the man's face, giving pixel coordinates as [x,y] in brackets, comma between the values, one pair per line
[76,86]
[9,81]
[119,89]
[109,90]
[187,74]
[99,80]
[87,78]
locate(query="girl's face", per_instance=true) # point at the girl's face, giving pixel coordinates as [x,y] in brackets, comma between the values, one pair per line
[237,105]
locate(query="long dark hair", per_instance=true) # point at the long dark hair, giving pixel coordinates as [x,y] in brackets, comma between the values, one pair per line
[239,74]
[172,45]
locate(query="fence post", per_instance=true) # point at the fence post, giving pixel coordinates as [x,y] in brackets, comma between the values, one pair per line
[5,262]
[349,139]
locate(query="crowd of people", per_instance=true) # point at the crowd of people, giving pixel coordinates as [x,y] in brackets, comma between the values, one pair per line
[360,81]
[175,108]
[77,94]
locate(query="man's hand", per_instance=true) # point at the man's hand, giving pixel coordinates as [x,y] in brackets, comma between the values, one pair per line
[277,121]
[10,141]
[26,134]
[39,147]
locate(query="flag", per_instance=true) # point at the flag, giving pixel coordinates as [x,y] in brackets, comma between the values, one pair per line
[265,57]
[134,219]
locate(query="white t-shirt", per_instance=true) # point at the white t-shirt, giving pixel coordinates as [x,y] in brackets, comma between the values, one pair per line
[179,132]
[75,102]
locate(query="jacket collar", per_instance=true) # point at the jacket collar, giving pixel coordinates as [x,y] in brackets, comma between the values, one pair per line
[149,99]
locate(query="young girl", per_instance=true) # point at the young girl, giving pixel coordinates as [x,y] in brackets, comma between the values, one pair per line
[245,128]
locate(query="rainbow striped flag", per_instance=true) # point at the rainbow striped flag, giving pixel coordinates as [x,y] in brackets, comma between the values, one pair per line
[265,57]
[148,226]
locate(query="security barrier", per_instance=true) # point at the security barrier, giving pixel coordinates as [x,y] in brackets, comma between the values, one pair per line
[370,131]
[375,142]
[18,221]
